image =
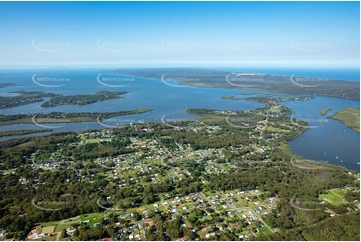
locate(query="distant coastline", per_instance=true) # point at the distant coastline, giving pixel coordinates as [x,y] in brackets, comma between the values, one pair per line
[209,78]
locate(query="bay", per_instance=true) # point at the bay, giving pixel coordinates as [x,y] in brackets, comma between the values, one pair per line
[330,141]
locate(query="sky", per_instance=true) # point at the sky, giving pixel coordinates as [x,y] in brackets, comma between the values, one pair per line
[157,34]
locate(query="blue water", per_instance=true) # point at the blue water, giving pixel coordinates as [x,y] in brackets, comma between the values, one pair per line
[327,139]
[143,93]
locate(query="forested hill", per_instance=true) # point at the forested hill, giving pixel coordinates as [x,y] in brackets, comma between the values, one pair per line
[327,230]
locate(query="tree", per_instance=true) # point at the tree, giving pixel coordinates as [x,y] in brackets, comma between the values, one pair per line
[148,199]
[63,233]
[188,233]
[137,216]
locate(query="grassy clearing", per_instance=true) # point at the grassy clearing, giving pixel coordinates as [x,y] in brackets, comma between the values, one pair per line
[97,140]
[212,118]
[63,224]
[339,192]
[265,230]
[48,229]
[273,129]
[93,217]
[335,196]
[57,227]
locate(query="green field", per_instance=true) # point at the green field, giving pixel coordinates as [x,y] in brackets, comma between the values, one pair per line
[97,140]
[264,230]
[349,117]
[335,196]
[93,217]
[211,118]
[273,129]
[60,225]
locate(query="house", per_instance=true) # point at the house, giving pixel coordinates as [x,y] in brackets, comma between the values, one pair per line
[210,235]
[2,233]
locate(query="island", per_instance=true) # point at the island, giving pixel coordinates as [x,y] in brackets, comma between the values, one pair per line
[62,117]
[24,98]
[323,112]
[23,132]
[81,99]
[231,98]
[349,117]
[8,84]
